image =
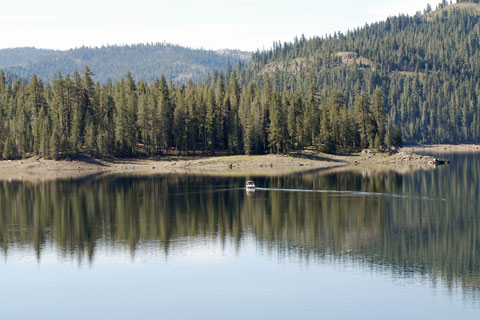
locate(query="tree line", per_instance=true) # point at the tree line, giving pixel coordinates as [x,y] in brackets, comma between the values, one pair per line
[74,115]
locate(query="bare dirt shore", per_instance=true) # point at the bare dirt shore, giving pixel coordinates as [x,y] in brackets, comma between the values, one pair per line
[38,169]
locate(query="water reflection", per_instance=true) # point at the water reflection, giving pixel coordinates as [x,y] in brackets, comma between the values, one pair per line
[432,230]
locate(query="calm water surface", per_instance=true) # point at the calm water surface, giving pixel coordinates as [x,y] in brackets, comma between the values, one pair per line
[321,245]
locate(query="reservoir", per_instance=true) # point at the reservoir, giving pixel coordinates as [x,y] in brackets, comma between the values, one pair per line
[334,244]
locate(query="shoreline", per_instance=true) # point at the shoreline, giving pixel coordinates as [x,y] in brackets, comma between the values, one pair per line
[38,169]
[444,148]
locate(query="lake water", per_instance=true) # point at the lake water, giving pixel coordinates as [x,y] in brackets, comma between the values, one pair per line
[319,245]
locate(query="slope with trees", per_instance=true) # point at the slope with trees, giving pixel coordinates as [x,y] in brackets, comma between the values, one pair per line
[427,66]
[19,56]
[145,61]
[413,79]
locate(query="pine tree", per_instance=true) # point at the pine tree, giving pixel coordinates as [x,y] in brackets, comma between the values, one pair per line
[165,114]
[211,118]
[61,116]
[55,142]
[325,141]
[91,110]
[378,144]
[295,118]
[246,114]
[179,122]
[106,137]
[144,118]
[191,118]
[334,105]
[9,148]
[397,141]
[23,130]
[278,134]
[378,113]
[311,112]
[265,102]
[130,106]
[221,114]
[232,97]
[363,119]
[78,113]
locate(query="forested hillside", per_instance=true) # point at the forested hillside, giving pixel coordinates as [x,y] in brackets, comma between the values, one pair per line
[146,62]
[414,79]
[19,56]
[427,66]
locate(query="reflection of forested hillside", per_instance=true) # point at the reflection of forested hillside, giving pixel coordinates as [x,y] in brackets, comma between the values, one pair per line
[409,235]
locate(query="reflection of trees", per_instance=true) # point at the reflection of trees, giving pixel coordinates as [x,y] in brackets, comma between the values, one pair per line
[439,238]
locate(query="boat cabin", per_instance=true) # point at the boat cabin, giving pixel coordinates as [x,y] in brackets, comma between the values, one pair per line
[250,184]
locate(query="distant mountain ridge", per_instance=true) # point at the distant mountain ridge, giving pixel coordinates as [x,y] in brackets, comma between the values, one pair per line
[20,56]
[145,61]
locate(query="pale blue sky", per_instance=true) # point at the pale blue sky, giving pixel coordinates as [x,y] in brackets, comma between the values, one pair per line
[211,24]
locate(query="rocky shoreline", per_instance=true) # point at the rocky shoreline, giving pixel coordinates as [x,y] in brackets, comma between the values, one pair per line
[404,157]
[432,161]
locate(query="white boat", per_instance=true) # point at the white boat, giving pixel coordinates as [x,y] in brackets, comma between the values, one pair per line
[250,185]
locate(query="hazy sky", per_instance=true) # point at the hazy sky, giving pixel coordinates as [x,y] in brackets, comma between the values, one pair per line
[211,24]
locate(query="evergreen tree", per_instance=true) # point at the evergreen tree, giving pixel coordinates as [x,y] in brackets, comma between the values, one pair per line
[76,96]
[378,113]
[311,112]
[165,115]
[9,148]
[179,122]
[91,109]
[363,119]
[278,134]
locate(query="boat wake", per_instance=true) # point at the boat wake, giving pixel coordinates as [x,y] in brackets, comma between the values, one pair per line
[353,193]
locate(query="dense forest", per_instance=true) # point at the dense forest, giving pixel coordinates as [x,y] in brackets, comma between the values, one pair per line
[427,66]
[409,78]
[146,62]
[74,115]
